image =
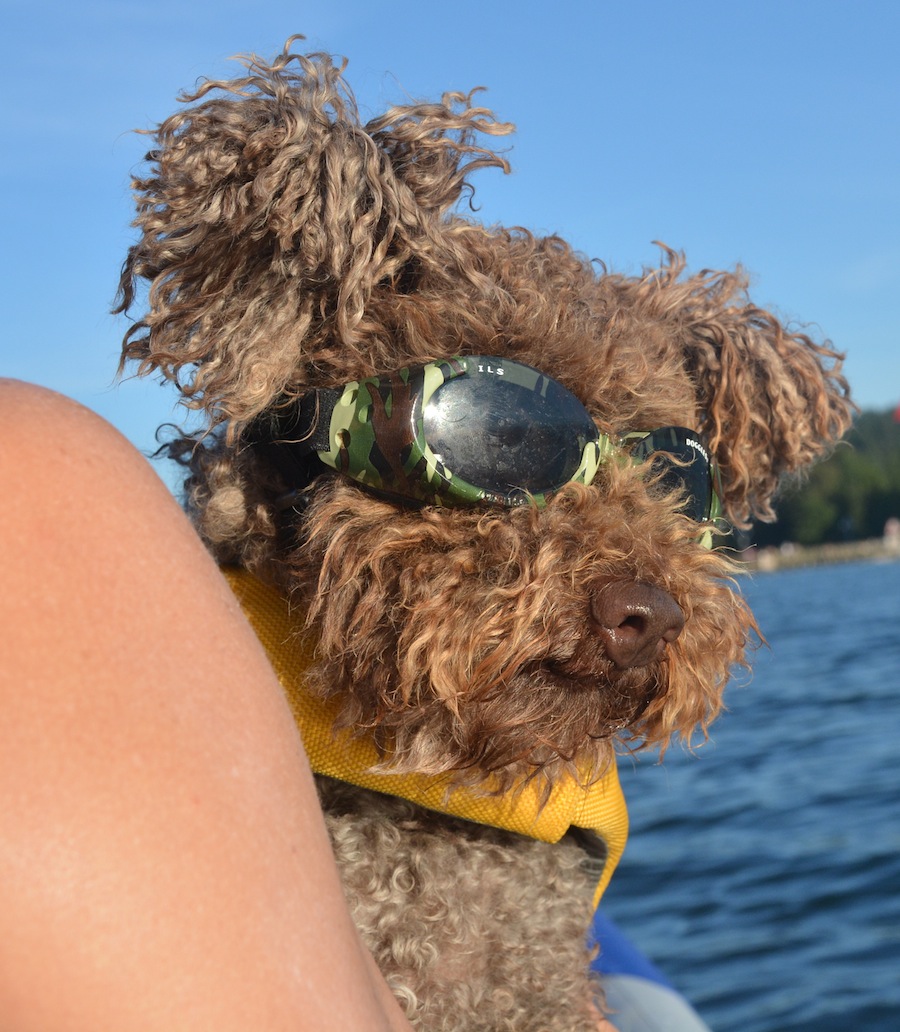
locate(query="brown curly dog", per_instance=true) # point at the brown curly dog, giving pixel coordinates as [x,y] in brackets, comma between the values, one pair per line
[493,649]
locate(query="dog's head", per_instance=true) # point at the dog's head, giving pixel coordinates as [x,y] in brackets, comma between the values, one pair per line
[290,248]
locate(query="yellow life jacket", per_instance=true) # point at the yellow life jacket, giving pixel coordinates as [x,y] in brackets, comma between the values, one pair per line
[598,810]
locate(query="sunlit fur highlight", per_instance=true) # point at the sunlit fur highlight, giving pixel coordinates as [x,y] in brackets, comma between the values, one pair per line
[286,245]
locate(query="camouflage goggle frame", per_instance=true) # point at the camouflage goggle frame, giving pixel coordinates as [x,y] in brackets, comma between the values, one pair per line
[478,430]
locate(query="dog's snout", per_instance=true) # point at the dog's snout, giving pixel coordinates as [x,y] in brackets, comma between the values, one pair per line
[635,621]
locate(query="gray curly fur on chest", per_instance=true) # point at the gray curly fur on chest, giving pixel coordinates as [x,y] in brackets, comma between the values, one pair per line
[475,929]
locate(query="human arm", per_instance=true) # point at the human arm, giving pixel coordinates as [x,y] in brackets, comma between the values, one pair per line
[163,859]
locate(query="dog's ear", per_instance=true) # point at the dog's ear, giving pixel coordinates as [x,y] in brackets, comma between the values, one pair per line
[772,400]
[268,217]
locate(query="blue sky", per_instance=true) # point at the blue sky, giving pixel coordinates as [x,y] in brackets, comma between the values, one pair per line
[763,132]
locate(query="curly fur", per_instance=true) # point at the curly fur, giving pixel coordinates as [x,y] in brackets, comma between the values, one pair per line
[451,911]
[462,636]
[288,246]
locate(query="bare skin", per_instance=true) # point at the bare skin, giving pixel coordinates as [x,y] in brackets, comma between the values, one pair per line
[163,861]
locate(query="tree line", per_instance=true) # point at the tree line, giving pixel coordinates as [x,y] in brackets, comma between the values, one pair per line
[847,497]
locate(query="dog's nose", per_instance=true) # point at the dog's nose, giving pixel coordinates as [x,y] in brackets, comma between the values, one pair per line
[635,621]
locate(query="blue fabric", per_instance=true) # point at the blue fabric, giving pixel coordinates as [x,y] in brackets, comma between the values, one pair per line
[619,956]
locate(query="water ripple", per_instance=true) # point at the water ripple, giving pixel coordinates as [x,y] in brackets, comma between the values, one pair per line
[763,873]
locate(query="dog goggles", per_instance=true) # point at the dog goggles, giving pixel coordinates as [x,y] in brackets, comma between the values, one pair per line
[479,429]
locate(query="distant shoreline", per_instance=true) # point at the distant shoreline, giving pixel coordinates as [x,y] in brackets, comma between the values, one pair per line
[791,556]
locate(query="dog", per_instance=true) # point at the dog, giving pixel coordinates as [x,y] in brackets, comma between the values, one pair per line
[468,637]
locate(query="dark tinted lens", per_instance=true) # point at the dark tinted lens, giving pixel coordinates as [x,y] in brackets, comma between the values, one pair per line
[682,462]
[502,435]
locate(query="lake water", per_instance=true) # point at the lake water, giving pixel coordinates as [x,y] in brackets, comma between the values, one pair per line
[763,873]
